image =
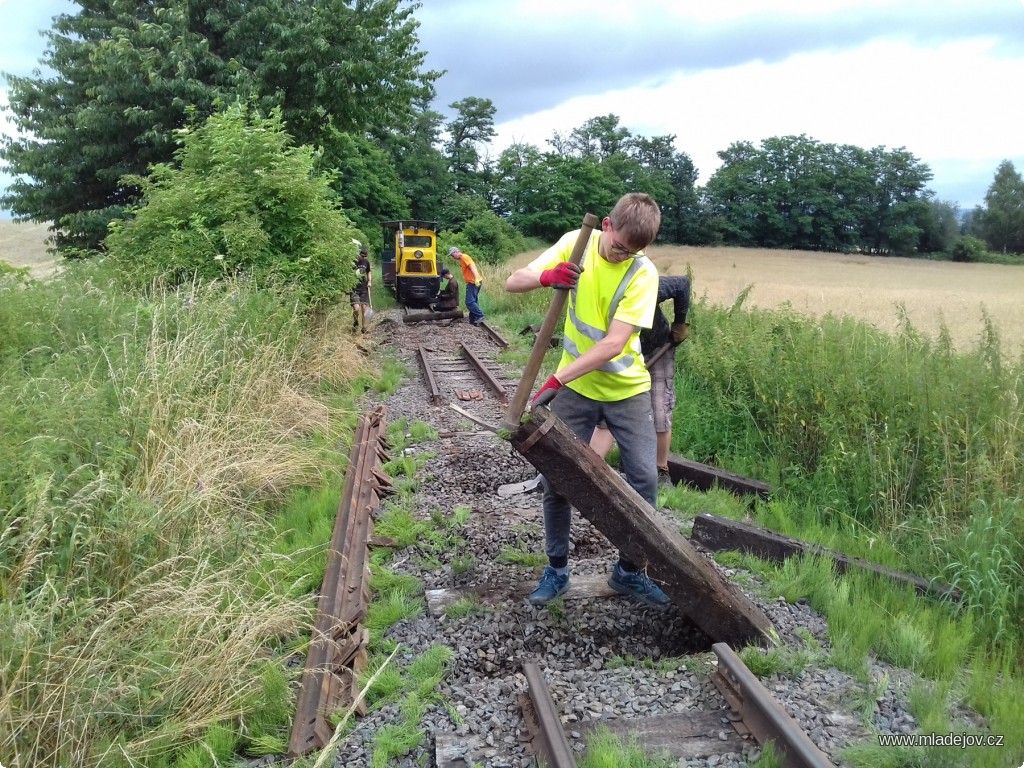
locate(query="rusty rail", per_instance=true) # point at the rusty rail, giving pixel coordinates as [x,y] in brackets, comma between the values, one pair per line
[495,336]
[762,715]
[337,648]
[484,373]
[428,372]
[554,745]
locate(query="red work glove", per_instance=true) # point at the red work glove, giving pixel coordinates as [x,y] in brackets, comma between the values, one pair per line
[564,276]
[547,393]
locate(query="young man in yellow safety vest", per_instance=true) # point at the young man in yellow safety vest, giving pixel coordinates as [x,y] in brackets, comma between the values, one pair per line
[602,376]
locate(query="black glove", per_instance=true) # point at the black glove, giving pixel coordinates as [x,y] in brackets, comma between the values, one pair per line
[680,333]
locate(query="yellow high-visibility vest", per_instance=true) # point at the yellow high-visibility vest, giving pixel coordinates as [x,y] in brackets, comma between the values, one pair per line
[628,292]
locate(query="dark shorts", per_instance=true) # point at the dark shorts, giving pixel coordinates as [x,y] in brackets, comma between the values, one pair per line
[360,296]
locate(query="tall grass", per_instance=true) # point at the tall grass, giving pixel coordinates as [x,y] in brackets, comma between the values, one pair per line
[142,442]
[894,448]
[888,437]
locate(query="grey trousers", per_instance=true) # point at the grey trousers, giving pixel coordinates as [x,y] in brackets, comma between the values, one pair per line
[632,425]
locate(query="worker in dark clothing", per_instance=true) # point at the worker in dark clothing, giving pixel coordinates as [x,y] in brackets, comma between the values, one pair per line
[662,370]
[448,299]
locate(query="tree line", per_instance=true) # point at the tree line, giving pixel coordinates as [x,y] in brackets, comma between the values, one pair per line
[349,80]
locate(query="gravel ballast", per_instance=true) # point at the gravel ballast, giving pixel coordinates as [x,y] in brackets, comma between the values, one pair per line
[580,645]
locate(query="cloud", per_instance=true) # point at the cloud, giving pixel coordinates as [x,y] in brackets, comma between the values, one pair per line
[530,56]
[873,95]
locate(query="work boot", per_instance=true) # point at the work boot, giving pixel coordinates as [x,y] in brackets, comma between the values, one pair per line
[551,586]
[638,586]
[664,478]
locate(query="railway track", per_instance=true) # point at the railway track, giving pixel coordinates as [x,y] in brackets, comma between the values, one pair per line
[501,709]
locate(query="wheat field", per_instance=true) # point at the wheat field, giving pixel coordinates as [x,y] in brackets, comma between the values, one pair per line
[23,244]
[869,288]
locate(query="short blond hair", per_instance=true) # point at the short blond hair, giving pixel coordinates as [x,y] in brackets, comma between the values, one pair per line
[637,218]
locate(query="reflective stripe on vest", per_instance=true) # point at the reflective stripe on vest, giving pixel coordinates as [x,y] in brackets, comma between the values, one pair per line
[596,334]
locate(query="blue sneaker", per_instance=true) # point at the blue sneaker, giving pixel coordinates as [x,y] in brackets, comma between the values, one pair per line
[551,586]
[637,585]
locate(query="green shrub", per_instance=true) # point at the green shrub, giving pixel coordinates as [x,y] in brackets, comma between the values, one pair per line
[240,201]
[967,248]
[487,237]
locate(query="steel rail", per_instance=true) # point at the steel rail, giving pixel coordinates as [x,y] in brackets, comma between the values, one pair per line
[435,393]
[495,336]
[762,714]
[337,648]
[482,371]
[556,747]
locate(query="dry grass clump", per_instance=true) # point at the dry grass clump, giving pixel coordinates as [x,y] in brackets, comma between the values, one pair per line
[140,598]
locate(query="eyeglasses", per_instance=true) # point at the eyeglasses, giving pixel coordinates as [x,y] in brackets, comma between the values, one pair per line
[620,250]
[617,248]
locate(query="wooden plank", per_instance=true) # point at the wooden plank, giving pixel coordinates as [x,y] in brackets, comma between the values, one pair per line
[694,585]
[689,735]
[718,533]
[704,477]
[420,317]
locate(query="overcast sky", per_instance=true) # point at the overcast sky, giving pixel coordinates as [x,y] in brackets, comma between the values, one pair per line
[941,78]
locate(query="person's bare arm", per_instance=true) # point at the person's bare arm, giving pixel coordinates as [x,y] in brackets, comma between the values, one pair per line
[522,280]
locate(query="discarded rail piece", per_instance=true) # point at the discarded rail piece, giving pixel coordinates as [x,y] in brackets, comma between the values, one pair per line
[718,533]
[631,524]
[704,477]
[761,714]
[337,648]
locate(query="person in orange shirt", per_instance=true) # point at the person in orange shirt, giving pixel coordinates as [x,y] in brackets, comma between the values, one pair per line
[471,274]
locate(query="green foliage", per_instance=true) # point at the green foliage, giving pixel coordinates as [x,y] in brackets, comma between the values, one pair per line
[986,561]
[769,757]
[486,237]
[127,76]
[795,192]
[386,380]
[411,690]
[398,523]
[967,248]
[1002,218]
[217,746]
[606,750]
[465,606]
[241,203]
[868,425]
[139,570]
[776,661]
[390,608]
[524,559]
[366,182]
[470,129]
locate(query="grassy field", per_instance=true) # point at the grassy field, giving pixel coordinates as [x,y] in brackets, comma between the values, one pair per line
[869,288]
